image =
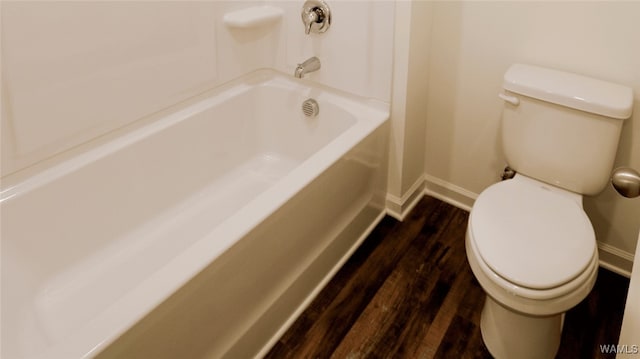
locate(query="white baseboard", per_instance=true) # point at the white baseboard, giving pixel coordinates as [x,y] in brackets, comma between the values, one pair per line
[615,260]
[399,207]
[449,193]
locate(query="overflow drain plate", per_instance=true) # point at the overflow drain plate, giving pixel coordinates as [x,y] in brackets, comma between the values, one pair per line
[310,108]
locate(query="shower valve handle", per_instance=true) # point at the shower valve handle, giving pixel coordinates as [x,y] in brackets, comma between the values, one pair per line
[316,16]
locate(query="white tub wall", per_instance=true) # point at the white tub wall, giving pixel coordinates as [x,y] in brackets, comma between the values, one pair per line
[356,52]
[75,71]
[243,50]
[471,46]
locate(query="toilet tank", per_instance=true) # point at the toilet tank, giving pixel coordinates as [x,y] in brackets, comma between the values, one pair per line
[562,128]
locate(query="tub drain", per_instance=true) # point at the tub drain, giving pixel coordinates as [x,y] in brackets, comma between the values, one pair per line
[310,108]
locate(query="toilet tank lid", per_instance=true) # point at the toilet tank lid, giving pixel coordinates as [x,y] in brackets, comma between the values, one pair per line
[570,90]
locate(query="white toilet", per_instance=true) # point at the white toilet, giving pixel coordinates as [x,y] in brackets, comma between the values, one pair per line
[529,242]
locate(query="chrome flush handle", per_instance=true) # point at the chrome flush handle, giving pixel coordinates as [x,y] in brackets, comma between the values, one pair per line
[626,181]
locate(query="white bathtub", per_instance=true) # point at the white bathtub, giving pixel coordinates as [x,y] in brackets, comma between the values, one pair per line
[201,233]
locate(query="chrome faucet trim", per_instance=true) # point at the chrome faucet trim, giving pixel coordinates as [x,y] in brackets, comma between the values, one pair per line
[311,65]
[316,16]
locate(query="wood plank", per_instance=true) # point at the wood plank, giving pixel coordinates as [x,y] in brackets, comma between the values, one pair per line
[423,285]
[389,312]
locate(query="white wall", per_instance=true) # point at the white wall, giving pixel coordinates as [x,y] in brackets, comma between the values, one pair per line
[74,71]
[472,45]
[409,106]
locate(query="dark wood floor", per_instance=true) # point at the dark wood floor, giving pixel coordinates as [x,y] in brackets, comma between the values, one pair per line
[408,292]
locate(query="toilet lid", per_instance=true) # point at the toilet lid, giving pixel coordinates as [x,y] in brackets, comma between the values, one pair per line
[531,235]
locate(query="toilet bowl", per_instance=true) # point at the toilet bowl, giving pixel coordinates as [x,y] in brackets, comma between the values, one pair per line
[532,249]
[529,242]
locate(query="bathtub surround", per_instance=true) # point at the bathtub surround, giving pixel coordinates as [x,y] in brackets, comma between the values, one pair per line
[99,55]
[73,71]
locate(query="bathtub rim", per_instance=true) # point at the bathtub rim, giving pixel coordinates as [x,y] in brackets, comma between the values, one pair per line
[113,321]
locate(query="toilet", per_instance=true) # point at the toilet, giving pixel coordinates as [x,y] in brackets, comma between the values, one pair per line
[529,242]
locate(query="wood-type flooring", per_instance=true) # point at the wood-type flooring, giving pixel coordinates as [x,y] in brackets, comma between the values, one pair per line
[408,292]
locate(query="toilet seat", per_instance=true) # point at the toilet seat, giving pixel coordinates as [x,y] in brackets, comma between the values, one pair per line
[515,296]
[532,235]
